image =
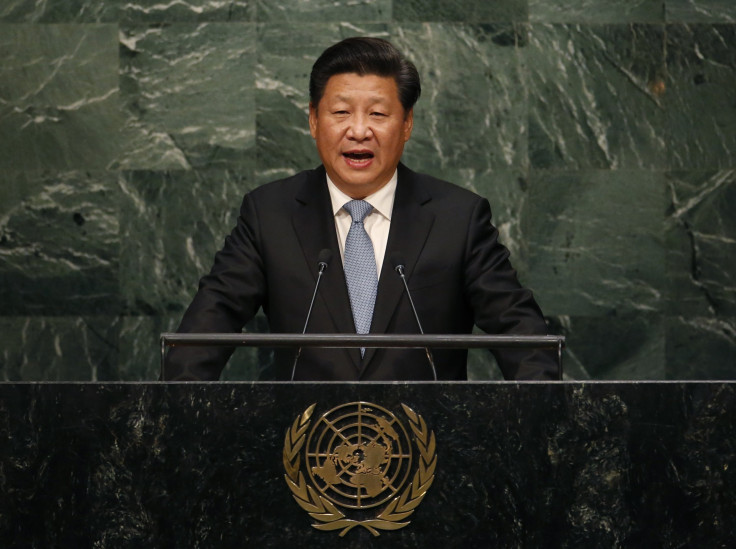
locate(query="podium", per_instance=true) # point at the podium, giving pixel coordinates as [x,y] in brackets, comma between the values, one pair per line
[557,464]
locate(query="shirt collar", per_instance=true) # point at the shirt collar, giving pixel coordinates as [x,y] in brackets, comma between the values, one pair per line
[382,200]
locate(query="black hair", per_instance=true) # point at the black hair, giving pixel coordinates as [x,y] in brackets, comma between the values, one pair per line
[363,55]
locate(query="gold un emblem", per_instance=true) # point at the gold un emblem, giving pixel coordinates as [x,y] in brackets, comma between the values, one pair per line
[358,458]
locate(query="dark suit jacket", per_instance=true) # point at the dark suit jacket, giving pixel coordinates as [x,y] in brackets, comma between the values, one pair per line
[458,273]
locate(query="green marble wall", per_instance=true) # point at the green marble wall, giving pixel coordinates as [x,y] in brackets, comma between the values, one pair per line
[602,131]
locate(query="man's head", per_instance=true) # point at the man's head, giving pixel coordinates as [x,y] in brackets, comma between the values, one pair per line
[364,55]
[362,93]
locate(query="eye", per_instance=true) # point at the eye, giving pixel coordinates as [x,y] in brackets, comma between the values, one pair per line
[340,112]
[379,114]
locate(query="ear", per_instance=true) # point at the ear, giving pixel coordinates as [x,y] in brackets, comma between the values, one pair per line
[408,124]
[313,120]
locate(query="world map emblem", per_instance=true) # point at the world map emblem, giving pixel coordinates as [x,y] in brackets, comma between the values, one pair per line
[361,466]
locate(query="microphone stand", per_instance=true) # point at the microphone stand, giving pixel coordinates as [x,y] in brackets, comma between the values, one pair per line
[324,259]
[399,268]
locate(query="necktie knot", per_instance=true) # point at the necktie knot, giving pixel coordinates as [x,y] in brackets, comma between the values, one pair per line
[358,209]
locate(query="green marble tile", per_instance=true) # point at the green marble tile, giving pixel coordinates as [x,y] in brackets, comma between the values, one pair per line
[701,348]
[629,346]
[187,11]
[59,244]
[475,11]
[596,11]
[86,11]
[189,97]
[508,193]
[701,96]
[40,348]
[172,224]
[701,244]
[701,11]
[303,11]
[285,57]
[596,241]
[59,11]
[139,358]
[59,96]
[596,96]
[473,118]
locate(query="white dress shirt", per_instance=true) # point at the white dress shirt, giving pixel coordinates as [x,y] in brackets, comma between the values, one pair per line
[377,223]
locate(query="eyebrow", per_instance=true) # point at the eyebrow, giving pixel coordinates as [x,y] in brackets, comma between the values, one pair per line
[374,99]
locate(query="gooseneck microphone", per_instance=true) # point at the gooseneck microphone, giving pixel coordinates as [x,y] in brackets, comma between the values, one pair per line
[323,260]
[397,260]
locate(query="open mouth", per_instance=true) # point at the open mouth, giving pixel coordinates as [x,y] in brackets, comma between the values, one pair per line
[358,156]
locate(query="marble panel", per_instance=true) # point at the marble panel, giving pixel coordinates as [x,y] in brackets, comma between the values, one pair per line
[596,11]
[701,11]
[285,57]
[629,346]
[596,96]
[172,225]
[139,357]
[59,244]
[701,99]
[86,11]
[296,12]
[701,244]
[59,97]
[596,241]
[189,97]
[701,347]
[472,11]
[474,118]
[63,348]
[59,11]
[146,11]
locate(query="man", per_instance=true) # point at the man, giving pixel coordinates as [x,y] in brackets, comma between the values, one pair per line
[369,211]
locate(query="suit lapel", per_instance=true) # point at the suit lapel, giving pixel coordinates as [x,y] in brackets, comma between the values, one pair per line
[410,227]
[314,224]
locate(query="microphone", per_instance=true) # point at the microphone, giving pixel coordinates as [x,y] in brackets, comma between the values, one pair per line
[397,260]
[323,260]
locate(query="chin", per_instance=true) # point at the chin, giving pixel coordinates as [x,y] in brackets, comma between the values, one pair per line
[358,182]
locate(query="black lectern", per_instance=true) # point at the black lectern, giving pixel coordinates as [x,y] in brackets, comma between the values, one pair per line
[333,465]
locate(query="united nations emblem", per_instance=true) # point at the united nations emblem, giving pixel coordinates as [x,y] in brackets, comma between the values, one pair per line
[359,458]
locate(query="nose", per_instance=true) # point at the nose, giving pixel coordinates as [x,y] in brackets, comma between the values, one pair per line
[359,128]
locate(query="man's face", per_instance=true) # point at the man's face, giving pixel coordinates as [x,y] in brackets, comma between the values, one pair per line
[360,129]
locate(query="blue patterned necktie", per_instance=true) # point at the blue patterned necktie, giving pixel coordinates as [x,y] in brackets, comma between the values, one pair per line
[360,268]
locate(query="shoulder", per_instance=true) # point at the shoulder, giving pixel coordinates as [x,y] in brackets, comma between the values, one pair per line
[438,190]
[288,187]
